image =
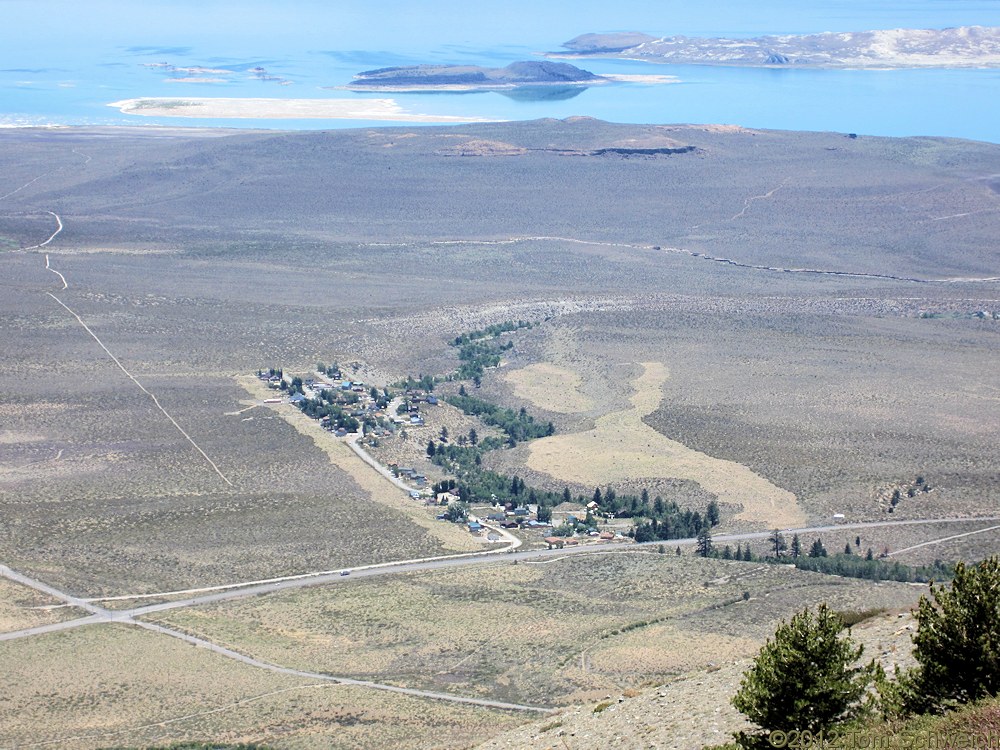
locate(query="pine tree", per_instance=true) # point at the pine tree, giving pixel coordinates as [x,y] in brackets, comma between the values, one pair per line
[796,546]
[804,680]
[957,643]
[430,449]
[778,543]
[703,546]
[817,549]
[747,554]
[712,513]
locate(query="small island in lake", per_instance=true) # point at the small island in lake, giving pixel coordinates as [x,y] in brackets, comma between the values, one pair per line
[473,77]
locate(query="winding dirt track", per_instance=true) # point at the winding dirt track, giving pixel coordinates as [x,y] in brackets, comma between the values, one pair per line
[59,228]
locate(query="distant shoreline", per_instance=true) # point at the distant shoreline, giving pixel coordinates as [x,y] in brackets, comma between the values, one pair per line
[968,47]
[280,109]
[873,66]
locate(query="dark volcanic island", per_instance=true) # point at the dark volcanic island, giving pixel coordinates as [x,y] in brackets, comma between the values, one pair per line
[528,73]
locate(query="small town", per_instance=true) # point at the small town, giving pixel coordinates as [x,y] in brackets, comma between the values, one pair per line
[368,417]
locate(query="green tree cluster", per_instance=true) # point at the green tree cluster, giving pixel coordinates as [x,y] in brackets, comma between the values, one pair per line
[872,569]
[805,679]
[324,406]
[808,677]
[957,643]
[518,425]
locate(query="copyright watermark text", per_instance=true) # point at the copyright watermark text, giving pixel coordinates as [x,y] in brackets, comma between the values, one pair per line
[858,739]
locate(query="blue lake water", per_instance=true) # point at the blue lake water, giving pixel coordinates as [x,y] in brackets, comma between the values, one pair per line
[63,62]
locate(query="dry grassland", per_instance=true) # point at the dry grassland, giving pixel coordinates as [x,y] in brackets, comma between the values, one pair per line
[623,447]
[378,488]
[116,686]
[689,712]
[665,648]
[21,607]
[554,633]
[550,387]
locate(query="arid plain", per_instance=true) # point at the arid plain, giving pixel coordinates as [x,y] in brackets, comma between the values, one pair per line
[793,324]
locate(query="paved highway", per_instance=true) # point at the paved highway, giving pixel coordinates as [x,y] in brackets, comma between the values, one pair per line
[99,615]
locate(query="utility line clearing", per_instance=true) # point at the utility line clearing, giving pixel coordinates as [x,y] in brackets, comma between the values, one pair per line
[143,389]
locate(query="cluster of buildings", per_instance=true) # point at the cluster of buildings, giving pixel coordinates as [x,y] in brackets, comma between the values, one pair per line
[353,397]
[412,399]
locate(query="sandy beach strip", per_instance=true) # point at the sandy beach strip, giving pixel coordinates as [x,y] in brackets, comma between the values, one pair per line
[640,78]
[280,109]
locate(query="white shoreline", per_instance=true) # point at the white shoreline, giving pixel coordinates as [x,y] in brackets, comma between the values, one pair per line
[280,109]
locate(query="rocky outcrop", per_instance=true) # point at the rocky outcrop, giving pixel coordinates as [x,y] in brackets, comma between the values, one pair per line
[596,43]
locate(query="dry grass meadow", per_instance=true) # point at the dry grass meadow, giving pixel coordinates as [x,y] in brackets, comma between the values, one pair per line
[623,447]
[22,607]
[692,711]
[111,686]
[550,387]
[553,633]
